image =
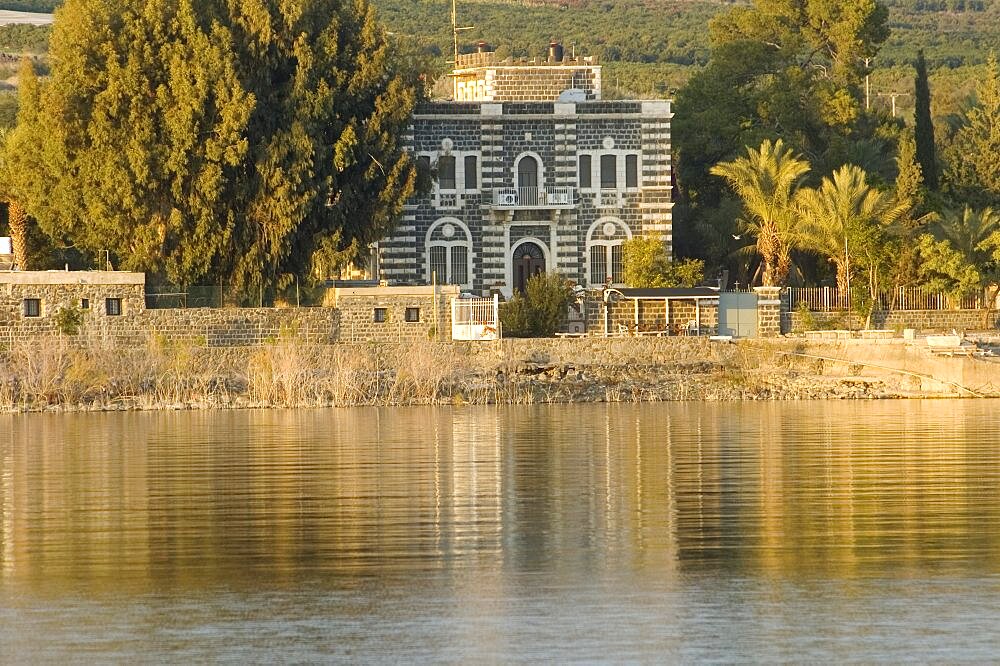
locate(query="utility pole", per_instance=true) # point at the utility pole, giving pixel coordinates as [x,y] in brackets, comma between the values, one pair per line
[893,96]
[868,88]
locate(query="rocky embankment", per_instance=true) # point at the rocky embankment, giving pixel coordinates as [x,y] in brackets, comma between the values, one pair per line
[56,376]
[693,380]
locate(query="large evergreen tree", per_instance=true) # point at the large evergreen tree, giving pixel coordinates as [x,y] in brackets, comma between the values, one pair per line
[923,127]
[973,170]
[232,140]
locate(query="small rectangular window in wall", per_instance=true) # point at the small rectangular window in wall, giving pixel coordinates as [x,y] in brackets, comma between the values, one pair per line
[412,315]
[609,172]
[631,171]
[584,177]
[471,172]
[84,303]
[32,307]
[113,306]
[446,172]
[378,315]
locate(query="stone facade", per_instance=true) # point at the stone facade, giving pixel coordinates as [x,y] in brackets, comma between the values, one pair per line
[768,311]
[395,313]
[31,301]
[532,181]
[921,320]
[350,316]
[482,77]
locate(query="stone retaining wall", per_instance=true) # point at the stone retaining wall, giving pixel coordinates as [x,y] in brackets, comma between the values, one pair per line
[923,320]
[651,315]
[30,303]
[592,351]
[211,327]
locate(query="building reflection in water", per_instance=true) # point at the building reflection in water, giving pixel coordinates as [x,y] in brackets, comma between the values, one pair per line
[341,497]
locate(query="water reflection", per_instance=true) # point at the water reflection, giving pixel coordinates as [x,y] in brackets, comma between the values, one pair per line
[175,499]
[681,531]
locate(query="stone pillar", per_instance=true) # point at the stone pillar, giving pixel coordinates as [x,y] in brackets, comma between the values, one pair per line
[768,311]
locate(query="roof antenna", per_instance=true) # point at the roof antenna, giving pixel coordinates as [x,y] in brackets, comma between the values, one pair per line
[455,29]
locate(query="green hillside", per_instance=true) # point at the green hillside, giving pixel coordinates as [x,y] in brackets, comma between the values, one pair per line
[651,47]
[44,6]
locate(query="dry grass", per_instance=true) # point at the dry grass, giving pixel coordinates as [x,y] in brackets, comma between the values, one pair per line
[60,372]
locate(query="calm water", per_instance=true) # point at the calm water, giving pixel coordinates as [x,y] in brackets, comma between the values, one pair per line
[679,532]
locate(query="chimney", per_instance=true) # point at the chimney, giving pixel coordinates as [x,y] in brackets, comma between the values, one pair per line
[555,52]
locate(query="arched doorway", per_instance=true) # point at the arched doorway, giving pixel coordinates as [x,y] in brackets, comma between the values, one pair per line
[528,261]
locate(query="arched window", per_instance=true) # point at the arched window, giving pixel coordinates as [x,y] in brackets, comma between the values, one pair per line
[449,252]
[527,172]
[604,251]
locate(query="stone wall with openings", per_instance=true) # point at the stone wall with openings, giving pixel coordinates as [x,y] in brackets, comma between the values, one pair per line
[40,302]
[394,314]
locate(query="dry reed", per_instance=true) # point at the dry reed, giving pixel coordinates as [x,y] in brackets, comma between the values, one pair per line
[61,372]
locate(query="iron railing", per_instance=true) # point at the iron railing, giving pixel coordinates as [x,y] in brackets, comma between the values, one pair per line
[166,297]
[475,318]
[831,299]
[533,197]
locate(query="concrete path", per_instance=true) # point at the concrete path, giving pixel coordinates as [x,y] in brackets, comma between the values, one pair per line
[27,18]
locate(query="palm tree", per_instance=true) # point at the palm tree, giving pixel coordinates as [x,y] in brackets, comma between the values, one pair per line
[969,232]
[765,180]
[845,215]
[17,218]
[976,235]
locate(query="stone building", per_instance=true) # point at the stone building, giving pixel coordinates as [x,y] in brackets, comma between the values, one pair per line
[534,172]
[30,301]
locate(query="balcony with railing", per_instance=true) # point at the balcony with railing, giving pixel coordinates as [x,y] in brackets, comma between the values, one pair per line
[520,198]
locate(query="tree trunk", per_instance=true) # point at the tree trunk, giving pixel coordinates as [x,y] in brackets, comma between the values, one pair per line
[18,234]
[990,294]
[767,278]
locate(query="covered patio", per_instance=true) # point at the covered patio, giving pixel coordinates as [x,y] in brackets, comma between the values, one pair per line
[666,311]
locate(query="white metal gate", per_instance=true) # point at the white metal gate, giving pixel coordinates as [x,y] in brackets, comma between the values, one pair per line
[475,318]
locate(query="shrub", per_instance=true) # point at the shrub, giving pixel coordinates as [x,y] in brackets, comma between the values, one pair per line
[68,320]
[540,310]
[647,265]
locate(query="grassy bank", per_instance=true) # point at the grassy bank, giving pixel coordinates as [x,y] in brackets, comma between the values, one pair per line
[62,373]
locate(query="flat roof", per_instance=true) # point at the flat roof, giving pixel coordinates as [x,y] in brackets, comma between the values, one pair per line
[669,293]
[71,277]
[401,290]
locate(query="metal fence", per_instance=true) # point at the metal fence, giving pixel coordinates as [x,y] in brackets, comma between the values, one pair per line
[831,299]
[475,318]
[164,297]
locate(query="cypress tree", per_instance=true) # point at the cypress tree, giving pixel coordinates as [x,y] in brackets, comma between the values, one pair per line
[236,140]
[923,126]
